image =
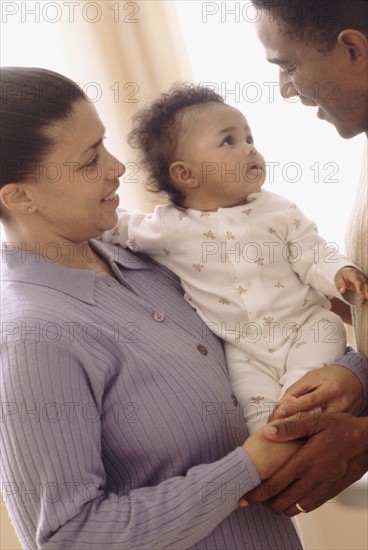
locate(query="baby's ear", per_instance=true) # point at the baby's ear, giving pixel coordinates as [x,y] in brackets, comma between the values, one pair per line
[182,176]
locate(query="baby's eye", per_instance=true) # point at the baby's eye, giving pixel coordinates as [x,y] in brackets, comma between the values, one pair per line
[250,140]
[229,140]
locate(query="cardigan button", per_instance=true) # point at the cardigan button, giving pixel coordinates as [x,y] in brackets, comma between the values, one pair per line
[202,349]
[235,401]
[159,316]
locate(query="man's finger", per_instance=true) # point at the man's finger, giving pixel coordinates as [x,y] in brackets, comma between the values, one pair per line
[264,492]
[297,426]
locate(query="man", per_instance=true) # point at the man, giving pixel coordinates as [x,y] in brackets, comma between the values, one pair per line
[321,49]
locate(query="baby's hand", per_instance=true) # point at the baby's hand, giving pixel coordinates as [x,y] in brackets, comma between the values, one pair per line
[354,284]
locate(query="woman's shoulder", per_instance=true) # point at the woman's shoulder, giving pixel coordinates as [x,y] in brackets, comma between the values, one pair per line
[31,313]
[22,299]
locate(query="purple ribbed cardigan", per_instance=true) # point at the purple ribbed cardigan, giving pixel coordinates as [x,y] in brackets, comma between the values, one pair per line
[119,429]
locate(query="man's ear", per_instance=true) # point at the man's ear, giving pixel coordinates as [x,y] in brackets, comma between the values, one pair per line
[357,45]
[182,176]
[15,198]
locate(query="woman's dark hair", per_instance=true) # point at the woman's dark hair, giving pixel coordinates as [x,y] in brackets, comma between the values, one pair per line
[156,129]
[318,22]
[31,100]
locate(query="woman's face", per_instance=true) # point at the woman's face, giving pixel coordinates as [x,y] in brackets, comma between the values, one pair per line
[73,188]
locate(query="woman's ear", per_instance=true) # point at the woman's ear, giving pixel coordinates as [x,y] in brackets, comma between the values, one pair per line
[15,198]
[182,176]
[356,43]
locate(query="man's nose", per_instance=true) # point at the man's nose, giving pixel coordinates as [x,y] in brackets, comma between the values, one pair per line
[288,88]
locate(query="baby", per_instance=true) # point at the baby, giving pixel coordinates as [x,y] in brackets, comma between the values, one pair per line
[251,264]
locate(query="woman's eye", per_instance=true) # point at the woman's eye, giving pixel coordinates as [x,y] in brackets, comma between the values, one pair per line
[250,140]
[229,140]
[93,161]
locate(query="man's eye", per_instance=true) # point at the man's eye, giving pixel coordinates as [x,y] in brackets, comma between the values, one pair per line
[229,140]
[289,72]
[250,140]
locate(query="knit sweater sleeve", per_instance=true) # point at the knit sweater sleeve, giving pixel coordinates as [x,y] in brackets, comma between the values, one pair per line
[52,462]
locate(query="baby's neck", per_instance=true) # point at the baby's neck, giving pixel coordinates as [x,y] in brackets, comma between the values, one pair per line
[210,206]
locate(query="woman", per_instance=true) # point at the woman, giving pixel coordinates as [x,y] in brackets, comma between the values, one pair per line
[119,427]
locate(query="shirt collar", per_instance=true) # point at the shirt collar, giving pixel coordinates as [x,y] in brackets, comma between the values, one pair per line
[25,267]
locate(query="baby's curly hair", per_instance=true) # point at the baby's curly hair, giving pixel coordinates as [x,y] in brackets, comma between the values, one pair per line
[156,129]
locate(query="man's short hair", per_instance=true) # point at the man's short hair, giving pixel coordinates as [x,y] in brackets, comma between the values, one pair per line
[317,21]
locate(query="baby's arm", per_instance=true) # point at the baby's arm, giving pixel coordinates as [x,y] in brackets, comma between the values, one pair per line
[314,260]
[353,284]
[139,232]
[120,233]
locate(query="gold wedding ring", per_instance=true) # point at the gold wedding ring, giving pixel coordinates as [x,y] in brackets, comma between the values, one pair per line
[300,508]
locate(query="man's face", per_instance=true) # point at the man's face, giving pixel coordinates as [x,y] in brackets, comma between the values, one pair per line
[328,81]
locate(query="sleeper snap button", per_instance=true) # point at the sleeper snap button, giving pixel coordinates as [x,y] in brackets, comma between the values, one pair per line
[159,316]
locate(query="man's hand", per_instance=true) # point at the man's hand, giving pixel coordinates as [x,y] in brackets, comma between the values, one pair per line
[333,387]
[334,457]
[342,309]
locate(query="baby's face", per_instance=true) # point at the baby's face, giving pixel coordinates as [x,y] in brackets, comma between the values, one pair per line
[217,143]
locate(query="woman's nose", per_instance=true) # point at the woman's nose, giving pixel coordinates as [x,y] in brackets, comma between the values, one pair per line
[121,168]
[116,170]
